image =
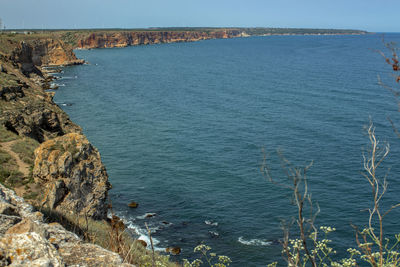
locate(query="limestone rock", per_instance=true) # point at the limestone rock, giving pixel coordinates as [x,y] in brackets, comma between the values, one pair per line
[39,122]
[26,226]
[76,181]
[25,240]
[29,249]
[6,222]
[8,209]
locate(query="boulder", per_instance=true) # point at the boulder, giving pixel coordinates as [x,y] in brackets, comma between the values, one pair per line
[133,205]
[173,250]
[142,242]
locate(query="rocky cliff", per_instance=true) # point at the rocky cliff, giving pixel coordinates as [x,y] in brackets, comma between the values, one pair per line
[66,169]
[27,109]
[122,38]
[26,240]
[70,171]
[30,54]
[45,158]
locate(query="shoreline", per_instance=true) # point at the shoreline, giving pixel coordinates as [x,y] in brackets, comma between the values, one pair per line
[27,61]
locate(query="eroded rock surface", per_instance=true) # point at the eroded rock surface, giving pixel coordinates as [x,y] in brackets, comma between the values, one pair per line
[122,39]
[28,110]
[33,53]
[26,240]
[74,178]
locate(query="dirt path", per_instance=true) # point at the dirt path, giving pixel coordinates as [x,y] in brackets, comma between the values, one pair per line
[22,166]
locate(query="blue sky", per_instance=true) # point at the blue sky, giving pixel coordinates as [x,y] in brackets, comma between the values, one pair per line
[371,15]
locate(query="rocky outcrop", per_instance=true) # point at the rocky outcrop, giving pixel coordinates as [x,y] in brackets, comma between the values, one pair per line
[122,39]
[26,240]
[74,179]
[42,52]
[67,167]
[27,110]
[39,122]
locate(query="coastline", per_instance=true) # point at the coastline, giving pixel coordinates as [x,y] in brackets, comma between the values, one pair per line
[27,62]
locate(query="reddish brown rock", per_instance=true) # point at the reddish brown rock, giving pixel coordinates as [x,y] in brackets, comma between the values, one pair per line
[133,205]
[173,250]
[123,39]
[142,242]
[43,52]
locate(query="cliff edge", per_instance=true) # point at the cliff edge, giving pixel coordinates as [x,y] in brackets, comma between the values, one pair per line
[30,119]
[45,158]
[127,38]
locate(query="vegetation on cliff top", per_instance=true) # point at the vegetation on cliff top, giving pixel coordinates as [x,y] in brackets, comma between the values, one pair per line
[72,37]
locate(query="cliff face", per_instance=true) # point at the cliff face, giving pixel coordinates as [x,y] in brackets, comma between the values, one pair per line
[67,168]
[123,39]
[47,160]
[42,52]
[26,109]
[74,178]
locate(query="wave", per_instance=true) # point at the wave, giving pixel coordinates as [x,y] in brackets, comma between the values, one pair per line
[213,233]
[56,85]
[212,223]
[254,242]
[66,104]
[142,234]
[146,215]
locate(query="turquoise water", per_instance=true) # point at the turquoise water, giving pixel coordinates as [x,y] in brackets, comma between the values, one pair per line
[181,129]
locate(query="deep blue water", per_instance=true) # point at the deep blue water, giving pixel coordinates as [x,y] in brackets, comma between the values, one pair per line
[181,129]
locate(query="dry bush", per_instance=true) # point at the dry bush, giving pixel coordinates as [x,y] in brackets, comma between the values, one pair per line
[373,247]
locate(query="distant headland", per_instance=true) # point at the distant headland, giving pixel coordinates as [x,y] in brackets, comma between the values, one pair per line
[107,38]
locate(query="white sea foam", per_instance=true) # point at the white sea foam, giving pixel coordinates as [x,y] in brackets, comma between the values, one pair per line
[211,223]
[142,233]
[144,216]
[68,77]
[254,242]
[213,233]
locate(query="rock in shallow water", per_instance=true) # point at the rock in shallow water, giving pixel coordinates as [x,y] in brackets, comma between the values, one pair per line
[173,250]
[133,205]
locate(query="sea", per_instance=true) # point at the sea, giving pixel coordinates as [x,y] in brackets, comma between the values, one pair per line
[183,129]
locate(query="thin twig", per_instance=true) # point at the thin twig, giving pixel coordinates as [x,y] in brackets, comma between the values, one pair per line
[152,247]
